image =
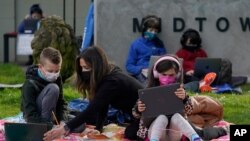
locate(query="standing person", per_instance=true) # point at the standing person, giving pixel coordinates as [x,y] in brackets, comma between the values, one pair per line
[166,70]
[105,85]
[144,47]
[191,49]
[42,92]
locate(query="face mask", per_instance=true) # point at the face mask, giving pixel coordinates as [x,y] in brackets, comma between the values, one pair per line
[191,47]
[166,80]
[149,35]
[51,77]
[85,76]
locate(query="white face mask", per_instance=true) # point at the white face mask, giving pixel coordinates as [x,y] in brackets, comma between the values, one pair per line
[51,77]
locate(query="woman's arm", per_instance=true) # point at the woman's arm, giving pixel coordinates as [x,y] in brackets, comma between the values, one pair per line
[98,106]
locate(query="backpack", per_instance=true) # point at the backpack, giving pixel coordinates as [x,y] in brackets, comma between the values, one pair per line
[225,74]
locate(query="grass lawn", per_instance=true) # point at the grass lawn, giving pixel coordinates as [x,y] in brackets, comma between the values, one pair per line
[236,107]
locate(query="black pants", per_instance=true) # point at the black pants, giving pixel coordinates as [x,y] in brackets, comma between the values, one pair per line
[208,133]
[131,130]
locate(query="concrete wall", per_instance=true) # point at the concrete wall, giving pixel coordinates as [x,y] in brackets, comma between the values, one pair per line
[222,33]
[13,12]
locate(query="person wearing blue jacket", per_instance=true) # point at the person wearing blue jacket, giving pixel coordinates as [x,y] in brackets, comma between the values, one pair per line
[144,47]
[35,13]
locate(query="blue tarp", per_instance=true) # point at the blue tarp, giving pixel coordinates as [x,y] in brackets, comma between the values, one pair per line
[114,115]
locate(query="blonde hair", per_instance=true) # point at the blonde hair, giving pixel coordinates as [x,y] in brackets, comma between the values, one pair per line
[51,54]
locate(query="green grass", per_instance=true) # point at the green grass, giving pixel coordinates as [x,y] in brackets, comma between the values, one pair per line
[11,74]
[10,100]
[236,107]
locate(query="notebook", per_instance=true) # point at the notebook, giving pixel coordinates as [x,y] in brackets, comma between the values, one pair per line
[30,25]
[160,100]
[206,65]
[25,131]
[24,44]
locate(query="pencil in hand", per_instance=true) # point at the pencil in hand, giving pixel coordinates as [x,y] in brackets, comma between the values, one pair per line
[54,116]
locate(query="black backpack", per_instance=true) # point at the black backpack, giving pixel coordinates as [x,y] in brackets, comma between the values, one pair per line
[225,74]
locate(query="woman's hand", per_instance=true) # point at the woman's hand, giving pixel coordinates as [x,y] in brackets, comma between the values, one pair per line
[141,106]
[90,131]
[55,133]
[180,92]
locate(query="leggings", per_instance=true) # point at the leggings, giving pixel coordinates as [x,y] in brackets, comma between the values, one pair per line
[164,128]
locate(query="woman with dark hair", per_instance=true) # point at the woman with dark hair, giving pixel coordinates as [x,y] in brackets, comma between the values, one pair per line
[104,84]
[191,49]
[145,46]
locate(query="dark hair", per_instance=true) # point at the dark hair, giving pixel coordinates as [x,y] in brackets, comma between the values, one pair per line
[35,8]
[151,21]
[51,54]
[97,60]
[161,67]
[194,35]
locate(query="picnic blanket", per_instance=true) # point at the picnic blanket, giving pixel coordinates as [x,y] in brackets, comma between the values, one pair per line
[112,131]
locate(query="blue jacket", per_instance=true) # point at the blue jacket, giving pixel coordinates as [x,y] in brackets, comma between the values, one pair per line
[140,52]
[21,27]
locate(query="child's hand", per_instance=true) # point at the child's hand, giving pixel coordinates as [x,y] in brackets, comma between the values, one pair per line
[180,92]
[190,72]
[141,106]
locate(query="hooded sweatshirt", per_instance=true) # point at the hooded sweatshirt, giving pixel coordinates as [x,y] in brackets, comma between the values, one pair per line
[31,89]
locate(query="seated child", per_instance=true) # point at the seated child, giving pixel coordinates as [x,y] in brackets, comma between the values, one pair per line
[166,71]
[144,47]
[42,94]
[191,49]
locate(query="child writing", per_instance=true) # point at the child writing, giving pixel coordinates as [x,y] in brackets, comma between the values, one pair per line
[166,71]
[42,92]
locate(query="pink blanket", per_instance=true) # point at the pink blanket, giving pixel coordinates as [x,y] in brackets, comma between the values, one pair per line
[74,137]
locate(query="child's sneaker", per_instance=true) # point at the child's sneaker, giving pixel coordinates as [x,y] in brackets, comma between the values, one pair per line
[204,84]
[209,78]
[227,128]
[195,137]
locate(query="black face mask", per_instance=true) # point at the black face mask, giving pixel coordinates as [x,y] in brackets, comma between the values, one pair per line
[191,47]
[85,76]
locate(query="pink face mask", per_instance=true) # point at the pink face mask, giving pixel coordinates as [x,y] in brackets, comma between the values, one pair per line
[166,80]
